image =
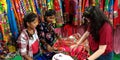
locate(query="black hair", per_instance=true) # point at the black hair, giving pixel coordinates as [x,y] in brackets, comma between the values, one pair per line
[97,20]
[30,17]
[49,12]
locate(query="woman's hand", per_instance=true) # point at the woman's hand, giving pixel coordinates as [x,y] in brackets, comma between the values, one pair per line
[73,47]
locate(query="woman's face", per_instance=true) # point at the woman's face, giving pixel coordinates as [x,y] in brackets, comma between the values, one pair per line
[51,19]
[33,24]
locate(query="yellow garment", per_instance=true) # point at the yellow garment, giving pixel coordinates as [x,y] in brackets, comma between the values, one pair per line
[11,48]
[3,2]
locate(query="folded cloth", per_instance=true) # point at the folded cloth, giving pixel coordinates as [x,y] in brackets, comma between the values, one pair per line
[61,56]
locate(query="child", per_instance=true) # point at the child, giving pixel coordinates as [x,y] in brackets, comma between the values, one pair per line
[46,31]
[28,40]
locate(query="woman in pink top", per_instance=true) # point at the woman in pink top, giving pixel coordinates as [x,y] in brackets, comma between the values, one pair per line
[99,33]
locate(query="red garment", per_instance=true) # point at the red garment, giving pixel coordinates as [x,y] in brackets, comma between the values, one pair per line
[66,5]
[117,19]
[102,4]
[64,44]
[35,46]
[56,5]
[106,37]
[67,30]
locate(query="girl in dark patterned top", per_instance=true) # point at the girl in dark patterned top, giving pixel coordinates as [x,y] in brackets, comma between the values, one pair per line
[46,31]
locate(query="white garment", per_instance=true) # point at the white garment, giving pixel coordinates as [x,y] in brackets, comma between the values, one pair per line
[61,56]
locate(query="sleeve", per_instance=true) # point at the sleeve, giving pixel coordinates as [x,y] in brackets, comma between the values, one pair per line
[105,35]
[22,44]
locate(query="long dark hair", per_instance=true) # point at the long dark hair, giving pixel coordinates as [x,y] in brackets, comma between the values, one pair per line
[29,17]
[97,20]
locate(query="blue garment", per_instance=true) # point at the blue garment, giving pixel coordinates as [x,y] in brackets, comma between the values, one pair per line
[45,56]
[108,56]
[12,21]
[37,7]
[39,57]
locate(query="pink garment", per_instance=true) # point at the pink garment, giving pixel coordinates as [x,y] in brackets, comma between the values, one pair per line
[58,31]
[117,40]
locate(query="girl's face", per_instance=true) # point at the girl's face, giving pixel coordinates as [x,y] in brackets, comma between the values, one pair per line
[33,24]
[50,19]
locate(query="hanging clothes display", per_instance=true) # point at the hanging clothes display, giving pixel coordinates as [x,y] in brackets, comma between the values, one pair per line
[110,10]
[3,2]
[18,13]
[4,23]
[102,4]
[106,7]
[116,13]
[12,21]
[50,4]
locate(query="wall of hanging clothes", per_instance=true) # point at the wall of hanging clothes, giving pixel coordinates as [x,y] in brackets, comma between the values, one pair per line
[13,11]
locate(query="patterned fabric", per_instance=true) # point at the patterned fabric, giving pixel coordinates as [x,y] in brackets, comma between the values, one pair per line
[25,43]
[46,32]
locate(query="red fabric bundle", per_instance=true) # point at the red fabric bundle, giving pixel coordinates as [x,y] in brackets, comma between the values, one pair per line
[64,44]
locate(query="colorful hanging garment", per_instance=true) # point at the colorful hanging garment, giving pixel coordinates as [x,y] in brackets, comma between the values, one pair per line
[56,5]
[110,10]
[58,9]
[43,8]
[1,8]
[75,14]
[32,6]
[50,4]
[97,2]
[102,4]
[87,3]
[61,11]
[12,21]
[18,14]
[1,24]
[83,4]
[37,7]
[22,6]
[67,9]
[79,11]
[106,7]
[4,24]
[1,34]
[116,20]
[28,6]
[3,2]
